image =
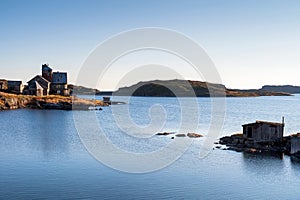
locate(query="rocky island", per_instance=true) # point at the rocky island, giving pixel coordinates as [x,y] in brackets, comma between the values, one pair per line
[14,101]
[189,88]
[263,137]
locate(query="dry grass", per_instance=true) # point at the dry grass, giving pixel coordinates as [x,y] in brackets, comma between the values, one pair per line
[48,99]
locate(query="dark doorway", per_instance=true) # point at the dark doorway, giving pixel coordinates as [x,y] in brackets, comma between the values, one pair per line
[249,132]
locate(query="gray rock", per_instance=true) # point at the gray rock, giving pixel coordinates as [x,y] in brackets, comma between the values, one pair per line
[180,135]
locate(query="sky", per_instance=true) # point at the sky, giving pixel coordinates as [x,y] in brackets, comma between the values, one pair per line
[251,42]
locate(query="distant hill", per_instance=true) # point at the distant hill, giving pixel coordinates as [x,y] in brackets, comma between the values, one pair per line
[184,88]
[87,91]
[282,88]
[82,90]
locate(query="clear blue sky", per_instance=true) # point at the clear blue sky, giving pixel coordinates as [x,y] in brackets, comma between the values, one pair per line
[252,42]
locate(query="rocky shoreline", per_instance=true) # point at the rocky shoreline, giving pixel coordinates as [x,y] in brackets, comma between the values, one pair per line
[238,143]
[53,102]
[174,134]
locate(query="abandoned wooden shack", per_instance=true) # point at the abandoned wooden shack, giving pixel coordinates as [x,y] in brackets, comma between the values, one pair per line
[262,131]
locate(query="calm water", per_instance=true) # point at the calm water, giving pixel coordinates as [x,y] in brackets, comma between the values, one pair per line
[42,157]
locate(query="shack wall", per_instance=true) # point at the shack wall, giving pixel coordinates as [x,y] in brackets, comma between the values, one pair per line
[295,145]
[263,132]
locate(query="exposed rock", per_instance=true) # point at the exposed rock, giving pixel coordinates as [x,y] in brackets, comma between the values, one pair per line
[295,157]
[13,101]
[194,135]
[237,143]
[180,135]
[165,133]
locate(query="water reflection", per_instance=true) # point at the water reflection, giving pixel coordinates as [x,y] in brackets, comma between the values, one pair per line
[38,132]
[263,164]
[41,157]
[295,166]
[52,132]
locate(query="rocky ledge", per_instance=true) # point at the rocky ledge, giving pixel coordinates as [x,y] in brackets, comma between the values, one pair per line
[13,101]
[190,135]
[238,143]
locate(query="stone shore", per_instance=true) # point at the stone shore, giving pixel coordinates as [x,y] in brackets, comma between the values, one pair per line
[13,101]
[238,143]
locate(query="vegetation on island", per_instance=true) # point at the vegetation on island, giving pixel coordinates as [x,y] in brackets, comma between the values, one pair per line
[282,88]
[182,88]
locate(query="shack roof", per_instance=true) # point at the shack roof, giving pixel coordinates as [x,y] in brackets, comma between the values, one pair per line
[265,122]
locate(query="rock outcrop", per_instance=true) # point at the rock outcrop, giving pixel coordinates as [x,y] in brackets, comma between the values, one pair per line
[238,143]
[190,135]
[180,135]
[13,101]
[194,135]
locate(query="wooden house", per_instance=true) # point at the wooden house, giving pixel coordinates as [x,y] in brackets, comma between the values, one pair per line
[38,86]
[48,83]
[15,86]
[262,131]
[59,84]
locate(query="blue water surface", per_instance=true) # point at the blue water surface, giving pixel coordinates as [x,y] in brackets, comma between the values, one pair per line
[42,156]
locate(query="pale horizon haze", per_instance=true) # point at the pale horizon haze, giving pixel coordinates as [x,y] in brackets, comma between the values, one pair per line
[252,43]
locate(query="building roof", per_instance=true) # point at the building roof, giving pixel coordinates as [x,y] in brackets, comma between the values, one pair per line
[38,76]
[14,82]
[59,78]
[265,122]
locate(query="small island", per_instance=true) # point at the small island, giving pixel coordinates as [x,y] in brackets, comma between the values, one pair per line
[263,137]
[47,91]
[189,88]
[57,102]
